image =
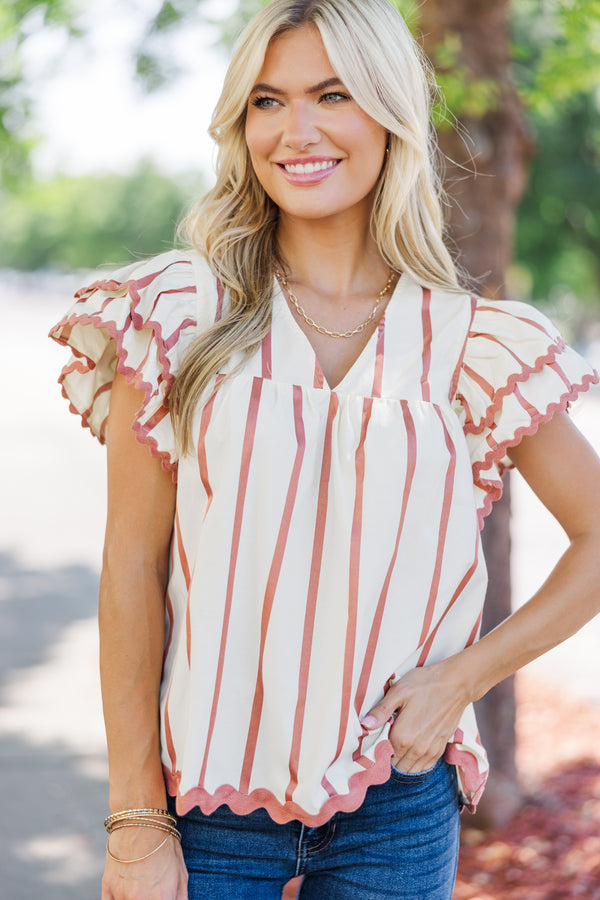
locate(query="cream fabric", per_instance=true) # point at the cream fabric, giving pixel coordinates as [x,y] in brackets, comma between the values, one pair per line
[326,542]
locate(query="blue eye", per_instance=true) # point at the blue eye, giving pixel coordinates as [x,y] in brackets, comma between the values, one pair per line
[264,102]
[334,97]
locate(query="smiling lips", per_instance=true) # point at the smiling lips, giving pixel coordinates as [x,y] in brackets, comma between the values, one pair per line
[309,172]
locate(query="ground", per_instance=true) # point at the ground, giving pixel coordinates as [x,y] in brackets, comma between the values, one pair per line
[551,849]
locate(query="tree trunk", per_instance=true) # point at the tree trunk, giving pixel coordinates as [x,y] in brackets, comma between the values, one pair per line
[485,180]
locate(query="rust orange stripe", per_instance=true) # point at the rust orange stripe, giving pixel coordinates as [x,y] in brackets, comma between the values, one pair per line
[313,588]
[411,462]
[529,408]
[267,362]
[457,593]
[556,368]
[507,312]
[181,553]
[378,375]
[443,530]
[459,365]
[186,575]
[355,541]
[271,587]
[319,378]
[480,380]
[169,734]
[247,449]
[169,609]
[475,631]
[201,452]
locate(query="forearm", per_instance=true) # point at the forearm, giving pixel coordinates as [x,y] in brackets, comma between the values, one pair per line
[131,617]
[567,600]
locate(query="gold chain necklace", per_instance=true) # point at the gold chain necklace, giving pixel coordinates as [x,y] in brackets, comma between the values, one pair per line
[320,328]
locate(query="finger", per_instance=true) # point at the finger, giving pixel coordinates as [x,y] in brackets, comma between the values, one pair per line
[384,711]
[415,752]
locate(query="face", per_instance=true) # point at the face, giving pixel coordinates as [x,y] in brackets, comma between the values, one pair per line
[313,149]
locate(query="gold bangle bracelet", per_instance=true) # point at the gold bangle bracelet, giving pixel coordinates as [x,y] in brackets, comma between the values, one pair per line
[138,813]
[169,829]
[128,862]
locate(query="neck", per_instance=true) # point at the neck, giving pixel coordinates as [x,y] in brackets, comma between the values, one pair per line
[333,259]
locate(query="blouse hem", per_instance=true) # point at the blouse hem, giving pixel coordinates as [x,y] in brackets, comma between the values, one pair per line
[471,779]
[377,773]
[261,798]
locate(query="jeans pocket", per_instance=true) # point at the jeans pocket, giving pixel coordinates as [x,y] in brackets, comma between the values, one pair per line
[414,777]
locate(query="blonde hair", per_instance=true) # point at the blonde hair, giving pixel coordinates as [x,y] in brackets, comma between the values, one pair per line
[234,225]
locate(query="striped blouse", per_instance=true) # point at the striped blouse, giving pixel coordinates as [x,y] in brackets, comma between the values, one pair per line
[325,541]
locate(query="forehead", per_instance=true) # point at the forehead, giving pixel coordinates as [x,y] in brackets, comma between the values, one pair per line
[296,55]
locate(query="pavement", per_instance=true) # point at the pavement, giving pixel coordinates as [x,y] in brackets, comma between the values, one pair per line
[53,773]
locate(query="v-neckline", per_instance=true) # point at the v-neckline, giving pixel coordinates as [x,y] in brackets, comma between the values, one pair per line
[279,293]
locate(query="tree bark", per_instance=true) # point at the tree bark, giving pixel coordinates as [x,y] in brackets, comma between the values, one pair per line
[486,173]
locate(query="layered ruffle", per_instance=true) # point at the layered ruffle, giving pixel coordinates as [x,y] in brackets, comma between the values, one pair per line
[140,322]
[517,371]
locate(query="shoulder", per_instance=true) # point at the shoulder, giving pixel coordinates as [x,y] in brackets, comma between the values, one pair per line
[174,268]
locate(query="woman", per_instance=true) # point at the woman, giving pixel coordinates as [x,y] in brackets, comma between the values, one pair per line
[302,601]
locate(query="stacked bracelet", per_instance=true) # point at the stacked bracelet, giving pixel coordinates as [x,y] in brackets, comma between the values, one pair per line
[136,813]
[159,819]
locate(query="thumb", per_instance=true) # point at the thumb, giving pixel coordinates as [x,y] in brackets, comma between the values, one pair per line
[382,712]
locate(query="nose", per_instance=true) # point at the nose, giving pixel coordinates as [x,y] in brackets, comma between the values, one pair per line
[300,130]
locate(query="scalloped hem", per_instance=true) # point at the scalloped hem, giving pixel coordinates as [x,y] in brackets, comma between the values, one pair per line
[494,488]
[261,798]
[547,359]
[471,780]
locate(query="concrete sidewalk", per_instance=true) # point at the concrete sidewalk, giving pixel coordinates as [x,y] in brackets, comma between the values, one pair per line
[51,739]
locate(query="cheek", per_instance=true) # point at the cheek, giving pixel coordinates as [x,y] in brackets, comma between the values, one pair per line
[258,137]
[369,141]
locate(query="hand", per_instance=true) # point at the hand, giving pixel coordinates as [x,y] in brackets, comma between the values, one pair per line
[162,876]
[429,703]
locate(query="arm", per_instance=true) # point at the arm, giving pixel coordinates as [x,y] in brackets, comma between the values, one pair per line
[141,504]
[564,472]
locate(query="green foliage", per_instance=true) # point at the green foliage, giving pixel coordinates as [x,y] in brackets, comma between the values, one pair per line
[557,70]
[92,221]
[558,226]
[462,94]
[17,19]
[154,60]
[557,52]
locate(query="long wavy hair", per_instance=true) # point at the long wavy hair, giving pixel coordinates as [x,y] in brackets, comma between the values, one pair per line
[234,226]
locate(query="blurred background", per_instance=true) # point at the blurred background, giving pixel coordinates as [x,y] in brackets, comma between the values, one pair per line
[104,108]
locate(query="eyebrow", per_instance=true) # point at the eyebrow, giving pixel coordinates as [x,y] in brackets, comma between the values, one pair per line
[321,86]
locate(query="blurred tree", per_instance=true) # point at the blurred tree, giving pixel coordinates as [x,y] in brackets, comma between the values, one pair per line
[18,20]
[91,221]
[557,66]
[487,151]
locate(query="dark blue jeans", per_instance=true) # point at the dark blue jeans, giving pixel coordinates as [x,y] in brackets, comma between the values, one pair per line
[402,843]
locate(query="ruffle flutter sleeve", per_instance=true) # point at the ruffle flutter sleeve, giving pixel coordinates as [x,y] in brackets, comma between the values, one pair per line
[138,321]
[517,371]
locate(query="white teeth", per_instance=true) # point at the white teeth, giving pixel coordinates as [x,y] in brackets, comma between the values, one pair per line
[310,168]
